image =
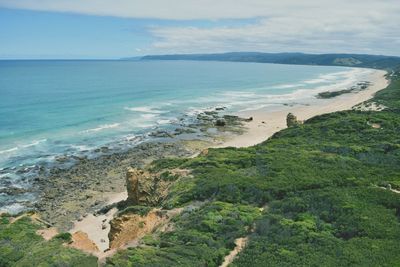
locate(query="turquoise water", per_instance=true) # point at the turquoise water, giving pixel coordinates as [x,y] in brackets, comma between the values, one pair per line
[51,108]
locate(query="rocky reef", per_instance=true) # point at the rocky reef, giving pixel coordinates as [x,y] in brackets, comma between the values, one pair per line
[67,194]
[354,89]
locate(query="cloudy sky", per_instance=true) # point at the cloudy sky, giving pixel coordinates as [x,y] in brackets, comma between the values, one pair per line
[120,28]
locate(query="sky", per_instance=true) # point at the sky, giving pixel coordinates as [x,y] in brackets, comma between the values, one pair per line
[110,29]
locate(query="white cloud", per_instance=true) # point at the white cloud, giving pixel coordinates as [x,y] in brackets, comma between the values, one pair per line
[365,29]
[203,9]
[285,25]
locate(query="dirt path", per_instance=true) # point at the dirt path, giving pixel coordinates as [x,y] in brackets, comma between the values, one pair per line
[393,190]
[240,245]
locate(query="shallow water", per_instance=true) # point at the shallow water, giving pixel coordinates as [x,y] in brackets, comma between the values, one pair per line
[53,108]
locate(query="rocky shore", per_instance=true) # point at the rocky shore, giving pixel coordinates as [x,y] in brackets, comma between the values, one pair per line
[69,194]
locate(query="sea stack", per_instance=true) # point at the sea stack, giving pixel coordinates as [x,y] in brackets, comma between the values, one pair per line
[132,185]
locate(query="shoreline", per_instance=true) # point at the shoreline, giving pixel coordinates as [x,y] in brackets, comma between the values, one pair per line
[264,124]
[267,122]
[99,187]
[75,204]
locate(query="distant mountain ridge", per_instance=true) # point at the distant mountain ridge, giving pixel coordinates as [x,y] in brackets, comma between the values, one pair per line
[350,60]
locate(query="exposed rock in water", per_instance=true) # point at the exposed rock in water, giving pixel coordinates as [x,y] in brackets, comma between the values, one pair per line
[179,131]
[162,134]
[12,190]
[291,120]
[220,122]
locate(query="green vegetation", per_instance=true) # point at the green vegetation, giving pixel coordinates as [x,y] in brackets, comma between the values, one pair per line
[321,182]
[168,176]
[65,237]
[141,210]
[21,246]
[390,97]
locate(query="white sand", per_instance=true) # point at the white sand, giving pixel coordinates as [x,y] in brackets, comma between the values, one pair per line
[93,225]
[265,123]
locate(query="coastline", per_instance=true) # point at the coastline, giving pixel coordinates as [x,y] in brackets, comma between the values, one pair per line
[266,122]
[71,204]
[89,212]
[90,172]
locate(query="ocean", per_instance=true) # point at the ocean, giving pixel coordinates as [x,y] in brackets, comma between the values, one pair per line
[55,108]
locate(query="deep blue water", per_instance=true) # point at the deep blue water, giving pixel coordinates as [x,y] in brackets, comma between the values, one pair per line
[50,108]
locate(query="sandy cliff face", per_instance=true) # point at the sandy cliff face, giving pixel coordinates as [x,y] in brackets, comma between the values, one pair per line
[81,240]
[145,189]
[128,229]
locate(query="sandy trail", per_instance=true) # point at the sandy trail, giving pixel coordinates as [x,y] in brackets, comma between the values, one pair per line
[240,244]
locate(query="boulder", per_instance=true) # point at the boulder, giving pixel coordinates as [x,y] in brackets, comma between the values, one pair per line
[291,120]
[220,122]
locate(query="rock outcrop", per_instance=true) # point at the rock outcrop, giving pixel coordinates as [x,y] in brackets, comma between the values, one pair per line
[135,179]
[144,188]
[291,120]
[148,189]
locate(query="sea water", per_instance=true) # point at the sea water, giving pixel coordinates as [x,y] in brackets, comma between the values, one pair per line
[53,108]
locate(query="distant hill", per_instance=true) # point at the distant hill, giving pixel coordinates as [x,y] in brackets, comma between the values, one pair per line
[350,60]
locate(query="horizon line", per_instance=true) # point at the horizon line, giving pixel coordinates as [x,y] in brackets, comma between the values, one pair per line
[127,58]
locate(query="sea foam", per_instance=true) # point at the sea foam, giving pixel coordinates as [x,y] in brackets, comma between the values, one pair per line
[101,128]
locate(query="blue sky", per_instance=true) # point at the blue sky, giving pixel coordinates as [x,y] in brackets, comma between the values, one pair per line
[46,29]
[36,34]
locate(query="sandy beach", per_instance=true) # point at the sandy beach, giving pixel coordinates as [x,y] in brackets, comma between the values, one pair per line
[266,122]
